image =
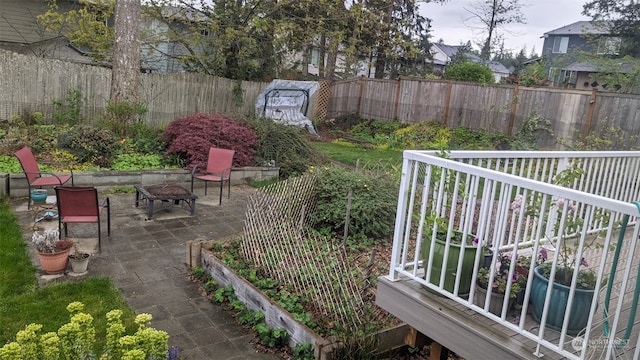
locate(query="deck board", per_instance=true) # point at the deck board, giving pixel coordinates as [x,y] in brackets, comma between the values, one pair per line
[449,322]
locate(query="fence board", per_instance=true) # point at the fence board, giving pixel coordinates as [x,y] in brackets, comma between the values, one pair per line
[489,107]
[31,84]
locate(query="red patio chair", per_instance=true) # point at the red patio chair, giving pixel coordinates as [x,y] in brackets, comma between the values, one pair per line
[79,204]
[218,170]
[35,177]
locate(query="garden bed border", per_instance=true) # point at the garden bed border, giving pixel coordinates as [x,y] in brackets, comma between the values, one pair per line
[276,317]
[15,185]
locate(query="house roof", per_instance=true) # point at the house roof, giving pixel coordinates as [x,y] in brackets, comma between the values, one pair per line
[497,67]
[449,50]
[581,27]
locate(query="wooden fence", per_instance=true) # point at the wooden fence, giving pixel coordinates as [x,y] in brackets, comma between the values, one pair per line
[29,84]
[502,108]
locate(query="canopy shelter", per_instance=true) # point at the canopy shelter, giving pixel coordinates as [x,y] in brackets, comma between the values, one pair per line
[288,102]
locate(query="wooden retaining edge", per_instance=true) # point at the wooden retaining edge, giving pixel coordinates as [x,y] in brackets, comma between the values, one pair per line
[276,317]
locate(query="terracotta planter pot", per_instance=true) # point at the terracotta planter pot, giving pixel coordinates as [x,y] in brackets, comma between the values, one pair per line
[54,263]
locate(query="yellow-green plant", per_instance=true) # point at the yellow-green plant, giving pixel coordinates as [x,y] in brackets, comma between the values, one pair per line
[76,339]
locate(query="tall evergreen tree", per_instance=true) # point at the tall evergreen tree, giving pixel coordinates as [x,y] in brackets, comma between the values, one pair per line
[622,19]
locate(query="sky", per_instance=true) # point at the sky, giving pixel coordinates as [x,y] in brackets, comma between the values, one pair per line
[450,22]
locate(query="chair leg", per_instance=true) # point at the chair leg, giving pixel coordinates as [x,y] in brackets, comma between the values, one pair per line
[99,237]
[229,189]
[29,195]
[205,188]
[108,206]
[221,186]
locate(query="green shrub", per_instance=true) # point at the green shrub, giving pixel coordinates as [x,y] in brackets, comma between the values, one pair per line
[283,146]
[343,122]
[468,71]
[429,135]
[371,130]
[145,139]
[373,203]
[533,74]
[122,113]
[67,110]
[467,139]
[90,144]
[137,162]
[532,128]
[9,164]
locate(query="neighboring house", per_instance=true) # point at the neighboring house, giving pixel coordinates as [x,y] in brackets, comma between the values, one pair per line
[160,54]
[443,54]
[564,50]
[19,31]
[308,63]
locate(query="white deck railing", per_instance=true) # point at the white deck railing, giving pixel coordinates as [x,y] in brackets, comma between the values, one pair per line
[507,201]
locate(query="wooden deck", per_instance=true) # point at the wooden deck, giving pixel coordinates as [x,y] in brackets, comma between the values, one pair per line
[474,336]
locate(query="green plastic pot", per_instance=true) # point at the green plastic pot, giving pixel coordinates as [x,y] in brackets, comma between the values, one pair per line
[452,262]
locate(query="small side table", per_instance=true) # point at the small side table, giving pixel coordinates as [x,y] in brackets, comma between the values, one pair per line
[166,193]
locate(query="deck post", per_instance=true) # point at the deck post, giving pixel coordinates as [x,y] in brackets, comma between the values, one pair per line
[436,350]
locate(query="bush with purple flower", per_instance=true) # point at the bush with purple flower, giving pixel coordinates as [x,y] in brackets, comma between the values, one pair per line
[568,226]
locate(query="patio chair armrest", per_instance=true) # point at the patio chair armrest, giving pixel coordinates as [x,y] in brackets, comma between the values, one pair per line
[194,171]
[41,173]
[106,203]
[55,163]
[226,173]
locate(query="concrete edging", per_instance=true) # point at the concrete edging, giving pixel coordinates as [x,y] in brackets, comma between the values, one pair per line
[15,185]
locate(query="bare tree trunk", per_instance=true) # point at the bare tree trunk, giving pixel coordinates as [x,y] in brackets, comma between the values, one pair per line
[125,76]
[381,55]
[332,56]
[323,52]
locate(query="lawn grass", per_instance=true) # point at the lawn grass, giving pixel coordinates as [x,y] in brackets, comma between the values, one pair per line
[348,153]
[22,302]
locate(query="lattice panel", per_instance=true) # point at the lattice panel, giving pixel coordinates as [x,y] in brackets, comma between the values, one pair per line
[276,239]
[322,100]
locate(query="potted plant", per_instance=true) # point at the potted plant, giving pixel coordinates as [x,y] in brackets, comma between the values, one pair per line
[442,217]
[79,259]
[567,228]
[497,287]
[457,245]
[52,252]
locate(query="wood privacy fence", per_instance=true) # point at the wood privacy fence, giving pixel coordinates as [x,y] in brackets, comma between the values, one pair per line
[29,84]
[502,108]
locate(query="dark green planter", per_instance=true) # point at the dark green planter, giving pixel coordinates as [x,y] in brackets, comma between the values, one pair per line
[452,263]
[557,310]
